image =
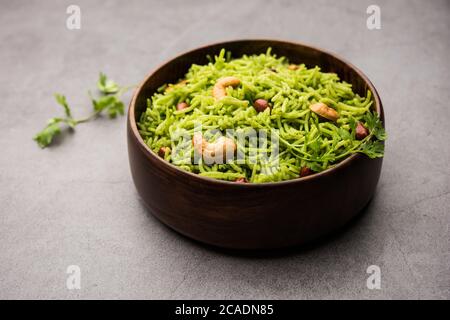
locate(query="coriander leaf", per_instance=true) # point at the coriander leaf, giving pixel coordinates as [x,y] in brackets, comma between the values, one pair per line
[111,104]
[353,123]
[380,133]
[116,108]
[103,102]
[45,137]
[375,126]
[315,146]
[345,135]
[61,99]
[370,120]
[314,166]
[373,149]
[105,85]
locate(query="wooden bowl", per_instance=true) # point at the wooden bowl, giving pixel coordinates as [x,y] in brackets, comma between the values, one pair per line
[251,216]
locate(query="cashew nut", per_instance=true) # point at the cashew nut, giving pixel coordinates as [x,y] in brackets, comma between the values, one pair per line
[213,152]
[221,84]
[324,111]
[293,67]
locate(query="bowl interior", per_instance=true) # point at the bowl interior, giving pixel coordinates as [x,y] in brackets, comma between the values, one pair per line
[173,70]
[176,68]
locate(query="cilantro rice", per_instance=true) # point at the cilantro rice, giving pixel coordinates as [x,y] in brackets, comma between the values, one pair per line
[307,142]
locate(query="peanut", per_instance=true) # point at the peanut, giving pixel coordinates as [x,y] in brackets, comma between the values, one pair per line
[182,105]
[305,171]
[260,105]
[162,151]
[361,132]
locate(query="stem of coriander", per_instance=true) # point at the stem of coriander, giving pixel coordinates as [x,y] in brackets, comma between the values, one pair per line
[119,93]
[89,118]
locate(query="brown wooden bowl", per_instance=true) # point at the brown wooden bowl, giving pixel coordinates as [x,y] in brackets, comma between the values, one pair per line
[251,216]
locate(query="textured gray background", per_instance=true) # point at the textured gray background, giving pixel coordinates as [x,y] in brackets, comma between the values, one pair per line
[75,203]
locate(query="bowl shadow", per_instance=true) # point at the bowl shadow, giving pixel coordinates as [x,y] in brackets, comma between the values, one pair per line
[312,245]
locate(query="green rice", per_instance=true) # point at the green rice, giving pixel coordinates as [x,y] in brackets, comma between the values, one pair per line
[304,138]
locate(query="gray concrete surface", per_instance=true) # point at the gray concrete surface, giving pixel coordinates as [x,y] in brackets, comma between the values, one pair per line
[75,203]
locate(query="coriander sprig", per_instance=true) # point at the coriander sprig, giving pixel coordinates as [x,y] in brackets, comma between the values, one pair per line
[109,101]
[373,148]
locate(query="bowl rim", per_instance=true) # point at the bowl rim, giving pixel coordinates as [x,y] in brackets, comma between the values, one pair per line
[132,124]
